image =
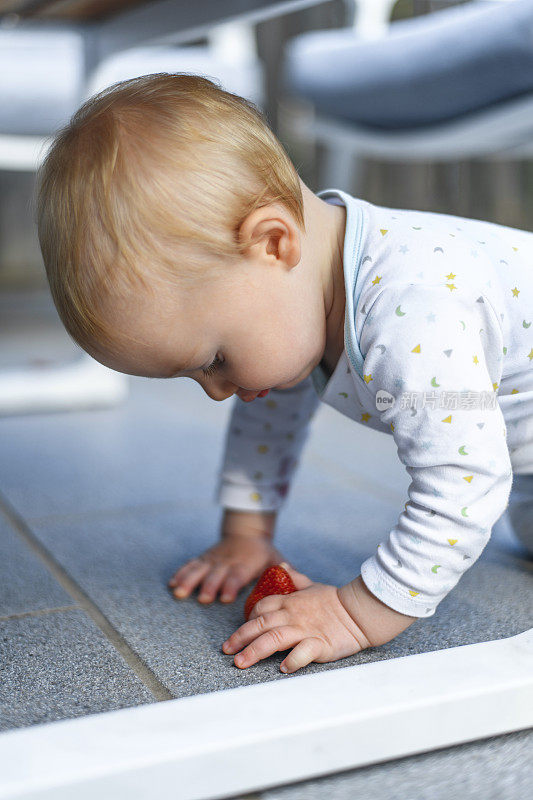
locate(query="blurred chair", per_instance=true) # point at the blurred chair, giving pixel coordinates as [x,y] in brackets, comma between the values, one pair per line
[43,80]
[453,84]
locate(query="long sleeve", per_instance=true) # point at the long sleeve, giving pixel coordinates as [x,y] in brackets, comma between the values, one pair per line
[432,363]
[263,445]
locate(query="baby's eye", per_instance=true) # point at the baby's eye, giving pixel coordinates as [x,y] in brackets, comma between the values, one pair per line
[212,367]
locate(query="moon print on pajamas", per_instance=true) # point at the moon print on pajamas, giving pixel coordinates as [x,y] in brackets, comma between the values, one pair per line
[438,354]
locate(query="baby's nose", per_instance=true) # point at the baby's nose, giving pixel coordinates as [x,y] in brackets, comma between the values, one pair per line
[218,396]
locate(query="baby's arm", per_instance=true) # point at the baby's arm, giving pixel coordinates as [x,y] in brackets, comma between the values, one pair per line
[420,340]
[264,441]
[263,444]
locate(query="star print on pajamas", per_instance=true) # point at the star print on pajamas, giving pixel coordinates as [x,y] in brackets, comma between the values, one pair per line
[435,304]
[452,496]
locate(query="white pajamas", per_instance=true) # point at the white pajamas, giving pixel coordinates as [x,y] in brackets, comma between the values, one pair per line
[439,354]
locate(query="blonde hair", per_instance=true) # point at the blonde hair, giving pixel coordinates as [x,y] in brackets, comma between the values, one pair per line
[152,177]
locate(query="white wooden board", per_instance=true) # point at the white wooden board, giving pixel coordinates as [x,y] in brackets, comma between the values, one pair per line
[254,737]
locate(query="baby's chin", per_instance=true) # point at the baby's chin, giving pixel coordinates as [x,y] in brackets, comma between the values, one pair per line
[295,381]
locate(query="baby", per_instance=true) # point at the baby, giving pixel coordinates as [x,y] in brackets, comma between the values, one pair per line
[179,241]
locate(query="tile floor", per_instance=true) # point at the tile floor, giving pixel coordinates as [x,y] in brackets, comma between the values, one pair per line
[98,508]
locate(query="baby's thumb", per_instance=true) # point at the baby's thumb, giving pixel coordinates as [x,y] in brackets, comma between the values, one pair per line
[300,580]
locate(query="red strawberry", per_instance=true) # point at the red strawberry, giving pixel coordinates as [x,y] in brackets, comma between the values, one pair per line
[274,580]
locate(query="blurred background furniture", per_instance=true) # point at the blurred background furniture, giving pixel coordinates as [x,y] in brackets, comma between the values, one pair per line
[48,68]
[457,83]
[355,87]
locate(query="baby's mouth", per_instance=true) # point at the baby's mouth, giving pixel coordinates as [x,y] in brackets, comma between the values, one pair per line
[248,396]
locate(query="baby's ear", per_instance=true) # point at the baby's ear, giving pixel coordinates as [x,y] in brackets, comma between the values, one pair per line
[269,230]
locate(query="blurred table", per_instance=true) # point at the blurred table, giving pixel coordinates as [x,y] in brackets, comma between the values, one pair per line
[103,9]
[119,24]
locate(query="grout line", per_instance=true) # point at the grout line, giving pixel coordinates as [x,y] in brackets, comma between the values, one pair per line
[38,612]
[142,670]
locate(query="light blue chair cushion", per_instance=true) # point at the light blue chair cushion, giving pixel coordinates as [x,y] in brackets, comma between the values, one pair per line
[430,69]
[41,73]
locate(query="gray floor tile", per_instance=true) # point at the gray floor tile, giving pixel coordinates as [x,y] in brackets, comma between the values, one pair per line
[58,666]
[141,453]
[25,584]
[124,562]
[491,769]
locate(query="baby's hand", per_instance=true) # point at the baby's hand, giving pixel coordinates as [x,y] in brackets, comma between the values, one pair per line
[227,566]
[317,621]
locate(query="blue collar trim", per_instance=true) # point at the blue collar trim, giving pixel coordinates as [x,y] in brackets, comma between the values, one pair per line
[351,262]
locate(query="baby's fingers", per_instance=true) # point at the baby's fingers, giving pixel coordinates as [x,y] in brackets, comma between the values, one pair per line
[188,577]
[212,583]
[235,580]
[304,653]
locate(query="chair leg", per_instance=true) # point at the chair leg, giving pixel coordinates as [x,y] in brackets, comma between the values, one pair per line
[339,168]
